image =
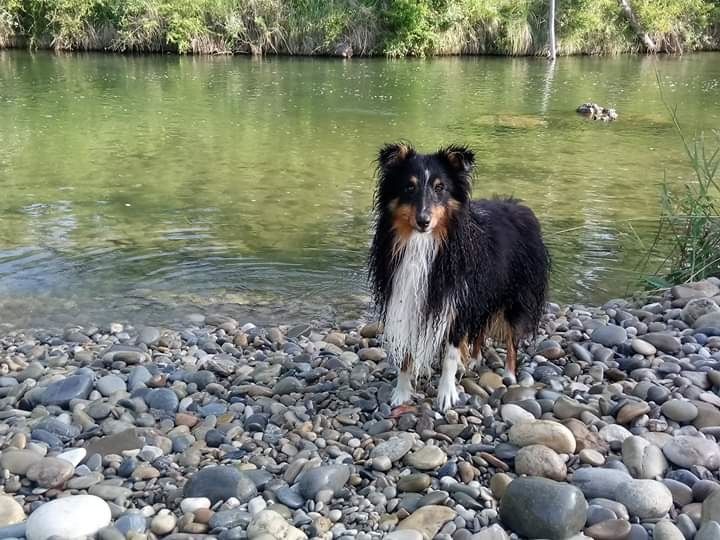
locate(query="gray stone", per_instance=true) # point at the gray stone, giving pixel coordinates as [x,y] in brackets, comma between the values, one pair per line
[149,335]
[132,522]
[62,392]
[109,384]
[645,499]
[328,477]
[395,448]
[711,508]
[219,483]
[599,482]
[709,320]
[643,460]
[163,399]
[229,519]
[666,530]
[680,410]
[664,342]
[542,508]
[710,530]
[610,335]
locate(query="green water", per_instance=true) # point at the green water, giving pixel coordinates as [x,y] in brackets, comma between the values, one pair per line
[146,188]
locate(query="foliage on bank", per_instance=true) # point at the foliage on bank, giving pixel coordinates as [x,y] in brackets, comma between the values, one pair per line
[359,27]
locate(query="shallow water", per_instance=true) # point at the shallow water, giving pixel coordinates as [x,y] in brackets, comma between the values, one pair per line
[146,188]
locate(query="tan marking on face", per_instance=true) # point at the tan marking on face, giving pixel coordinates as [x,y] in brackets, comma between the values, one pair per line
[403,223]
[414,180]
[440,219]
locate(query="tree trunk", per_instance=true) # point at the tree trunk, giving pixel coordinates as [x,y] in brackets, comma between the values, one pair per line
[635,25]
[551,31]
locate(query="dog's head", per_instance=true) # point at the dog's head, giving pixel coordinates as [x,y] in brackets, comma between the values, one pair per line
[421,191]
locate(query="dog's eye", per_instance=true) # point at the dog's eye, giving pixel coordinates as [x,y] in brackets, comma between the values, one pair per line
[410,188]
[439,187]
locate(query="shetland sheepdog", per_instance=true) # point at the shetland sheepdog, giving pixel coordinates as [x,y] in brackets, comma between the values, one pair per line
[446,271]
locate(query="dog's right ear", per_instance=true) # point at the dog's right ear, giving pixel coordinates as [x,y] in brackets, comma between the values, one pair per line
[393,154]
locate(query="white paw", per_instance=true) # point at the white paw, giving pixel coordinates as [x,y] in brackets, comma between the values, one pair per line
[402,392]
[447,394]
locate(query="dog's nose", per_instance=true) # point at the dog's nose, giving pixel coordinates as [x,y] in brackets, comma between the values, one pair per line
[423,221]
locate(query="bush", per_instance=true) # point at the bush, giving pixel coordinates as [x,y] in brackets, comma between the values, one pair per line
[391,27]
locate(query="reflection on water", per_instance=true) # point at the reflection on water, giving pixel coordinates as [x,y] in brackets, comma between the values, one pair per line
[143,188]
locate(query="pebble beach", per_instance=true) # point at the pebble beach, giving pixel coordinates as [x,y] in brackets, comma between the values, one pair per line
[223,429]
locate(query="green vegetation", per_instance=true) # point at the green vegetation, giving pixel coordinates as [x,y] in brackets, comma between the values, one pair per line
[368,27]
[687,240]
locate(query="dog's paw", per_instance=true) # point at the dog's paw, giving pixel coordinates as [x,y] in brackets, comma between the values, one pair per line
[447,394]
[401,394]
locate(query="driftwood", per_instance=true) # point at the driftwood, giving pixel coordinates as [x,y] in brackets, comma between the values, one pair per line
[627,10]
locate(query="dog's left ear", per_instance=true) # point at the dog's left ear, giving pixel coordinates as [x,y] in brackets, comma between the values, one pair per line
[460,158]
[393,154]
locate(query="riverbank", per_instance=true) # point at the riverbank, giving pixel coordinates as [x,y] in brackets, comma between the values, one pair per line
[360,28]
[226,430]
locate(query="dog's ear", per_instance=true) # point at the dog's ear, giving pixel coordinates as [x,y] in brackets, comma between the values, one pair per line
[459,158]
[392,154]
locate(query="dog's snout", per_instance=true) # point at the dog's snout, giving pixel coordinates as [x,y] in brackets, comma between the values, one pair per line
[423,220]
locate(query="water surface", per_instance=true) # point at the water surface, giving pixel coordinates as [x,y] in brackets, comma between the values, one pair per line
[146,188]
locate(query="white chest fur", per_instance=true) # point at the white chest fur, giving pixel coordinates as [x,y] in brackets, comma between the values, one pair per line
[407,328]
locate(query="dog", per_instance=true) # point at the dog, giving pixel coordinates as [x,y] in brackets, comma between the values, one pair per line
[447,272]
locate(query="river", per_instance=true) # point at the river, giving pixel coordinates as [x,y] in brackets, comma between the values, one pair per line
[145,188]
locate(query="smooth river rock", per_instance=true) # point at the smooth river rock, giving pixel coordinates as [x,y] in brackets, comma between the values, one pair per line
[62,392]
[220,483]
[68,517]
[543,508]
[645,499]
[427,520]
[685,451]
[643,460]
[326,478]
[599,482]
[428,458]
[11,511]
[545,432]
[539,460]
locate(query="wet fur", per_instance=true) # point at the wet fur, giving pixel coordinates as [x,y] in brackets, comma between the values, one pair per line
[488,277]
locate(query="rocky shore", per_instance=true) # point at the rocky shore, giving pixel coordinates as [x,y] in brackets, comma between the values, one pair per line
[227,430]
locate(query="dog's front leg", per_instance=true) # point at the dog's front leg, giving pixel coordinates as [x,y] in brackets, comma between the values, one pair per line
[447,392]
[403,387]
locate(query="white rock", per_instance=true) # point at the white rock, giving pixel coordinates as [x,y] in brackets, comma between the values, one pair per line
[515,414]
[256,505]
[270,524]
[163,523]
[70,517]
[74,456]
[191,504]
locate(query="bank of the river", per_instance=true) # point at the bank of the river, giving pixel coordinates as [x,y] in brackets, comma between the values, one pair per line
[361,27]
[226,430]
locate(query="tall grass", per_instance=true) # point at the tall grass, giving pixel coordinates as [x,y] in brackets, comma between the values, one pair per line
[390,27]
[687,240]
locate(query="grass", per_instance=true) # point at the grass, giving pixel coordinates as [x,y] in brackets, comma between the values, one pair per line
[369,27]
[687,240]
